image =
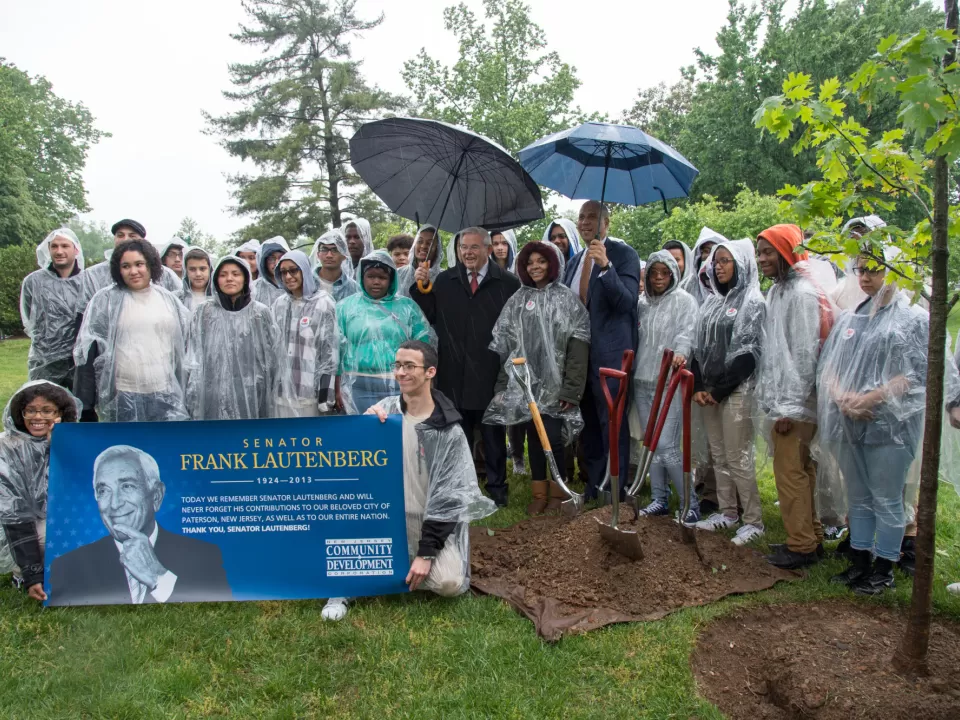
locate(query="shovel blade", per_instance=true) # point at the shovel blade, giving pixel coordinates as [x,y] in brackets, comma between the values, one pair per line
[572,506]
[625,542]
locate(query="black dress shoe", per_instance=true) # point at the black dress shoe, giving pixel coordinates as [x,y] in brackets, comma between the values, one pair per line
[784,557]
[877,581]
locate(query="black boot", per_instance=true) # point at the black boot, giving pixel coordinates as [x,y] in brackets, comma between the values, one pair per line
[784,557]
[859,566]
[842,550]
[908,555]
[877,581]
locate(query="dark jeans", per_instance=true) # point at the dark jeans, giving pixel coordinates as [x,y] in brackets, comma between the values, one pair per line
[517,434]
[596,437]
[494,451]
[538,458]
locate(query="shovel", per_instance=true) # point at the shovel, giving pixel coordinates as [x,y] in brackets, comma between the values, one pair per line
[625,542]
[687,534]
[574,502]
[603,494]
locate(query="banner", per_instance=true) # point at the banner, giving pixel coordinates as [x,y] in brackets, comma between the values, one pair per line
[225,510]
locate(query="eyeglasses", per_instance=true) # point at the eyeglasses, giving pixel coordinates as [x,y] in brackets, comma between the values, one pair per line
[406,367]
[723,261]
[559,236]
[471,248]
[327,251]
[46,413]
[289,272]
[872,272]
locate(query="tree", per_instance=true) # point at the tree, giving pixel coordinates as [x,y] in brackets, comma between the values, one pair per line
[301,103]
[661,110]
[94,239]
[505,85]
[44,141]
[863,171]
[190,232]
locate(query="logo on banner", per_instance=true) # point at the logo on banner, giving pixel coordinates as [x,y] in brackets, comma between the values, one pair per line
[358,558]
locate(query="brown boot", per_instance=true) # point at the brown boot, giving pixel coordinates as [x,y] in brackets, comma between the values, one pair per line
[557,496]
[539,504]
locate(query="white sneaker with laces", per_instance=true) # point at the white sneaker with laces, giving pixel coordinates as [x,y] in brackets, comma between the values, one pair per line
[747,533]
[657,507]
[717,521]
[335,609]
[954,588]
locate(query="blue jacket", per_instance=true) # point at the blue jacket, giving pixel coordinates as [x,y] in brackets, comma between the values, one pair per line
[611,304]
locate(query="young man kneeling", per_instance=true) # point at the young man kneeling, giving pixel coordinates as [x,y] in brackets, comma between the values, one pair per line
[441,495]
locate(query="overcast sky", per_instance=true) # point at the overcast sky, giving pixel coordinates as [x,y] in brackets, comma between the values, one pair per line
[147,69]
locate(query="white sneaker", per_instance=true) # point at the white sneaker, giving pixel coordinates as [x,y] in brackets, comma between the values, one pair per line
[717,521]
[954,588]
[335,609]
[747,533]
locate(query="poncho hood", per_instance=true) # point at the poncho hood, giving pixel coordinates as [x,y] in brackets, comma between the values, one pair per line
[310,283]
[548,250]
[43,249]
[266,249]
[195,253]
[244,298]
[379,258]
[573,236]
[15,404]
[511,237]
[689,267]
[667,258]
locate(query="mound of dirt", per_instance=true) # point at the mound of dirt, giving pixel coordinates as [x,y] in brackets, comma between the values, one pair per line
[561,575]
[828,661]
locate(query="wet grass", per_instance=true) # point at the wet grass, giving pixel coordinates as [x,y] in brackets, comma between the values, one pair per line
[395,657]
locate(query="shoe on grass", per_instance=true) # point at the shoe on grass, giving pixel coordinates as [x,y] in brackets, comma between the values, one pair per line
[877,581]
[717,521]
[834,532]
[784,557]
[657,507]
[693,517]
[746,534]
[954,588]
[335,609]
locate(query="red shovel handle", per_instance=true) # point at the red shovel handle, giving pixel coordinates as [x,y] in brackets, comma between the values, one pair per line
[657,396]
[662,419]
[687,412]
[614,412]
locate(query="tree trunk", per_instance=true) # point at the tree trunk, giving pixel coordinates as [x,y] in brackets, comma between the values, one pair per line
[329,157]
[911,655]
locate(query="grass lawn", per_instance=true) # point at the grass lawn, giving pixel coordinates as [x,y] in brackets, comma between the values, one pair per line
[396,657]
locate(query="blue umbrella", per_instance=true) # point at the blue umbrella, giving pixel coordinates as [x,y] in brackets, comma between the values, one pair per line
[609,163]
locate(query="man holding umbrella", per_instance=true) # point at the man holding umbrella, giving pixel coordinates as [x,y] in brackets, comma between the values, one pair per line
[606,276]
[463,308]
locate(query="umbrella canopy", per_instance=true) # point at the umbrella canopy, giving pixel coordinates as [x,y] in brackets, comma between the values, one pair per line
[443,175]
[612,163]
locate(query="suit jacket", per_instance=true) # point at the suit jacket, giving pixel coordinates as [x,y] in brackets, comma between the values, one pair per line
[611,304]
[92,574]
[464,325]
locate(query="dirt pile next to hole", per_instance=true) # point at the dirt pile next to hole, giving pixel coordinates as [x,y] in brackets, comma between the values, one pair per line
[561,575]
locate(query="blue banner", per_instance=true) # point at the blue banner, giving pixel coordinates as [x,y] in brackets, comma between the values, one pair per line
[225,510]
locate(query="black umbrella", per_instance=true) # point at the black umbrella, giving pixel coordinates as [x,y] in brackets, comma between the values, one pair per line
[443,175]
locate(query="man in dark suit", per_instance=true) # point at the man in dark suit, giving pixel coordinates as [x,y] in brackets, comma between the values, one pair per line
[463,307]
[606,276]
[138,562]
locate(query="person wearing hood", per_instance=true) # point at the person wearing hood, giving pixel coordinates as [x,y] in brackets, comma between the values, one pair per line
[267,288]
[848,295]
[129,353]
[426,242]
[171,255]
[309,344]
[197,278]
[563,233]
[503,250]
[248,252]
[334,269]
[359,240]
[696,282]
[399,248]
[463,307]
[372,325]
[667,319]
[871,398]
[48,307]
[441,494]
[545,323]
[606,276]
[100,276]
[28,422]
[683,255]
[726,355]
[232,355]
[798,319]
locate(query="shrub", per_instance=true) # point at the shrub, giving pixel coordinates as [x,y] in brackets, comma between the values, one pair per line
[16,262]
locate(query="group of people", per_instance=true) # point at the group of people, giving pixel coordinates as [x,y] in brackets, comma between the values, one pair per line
[167,332]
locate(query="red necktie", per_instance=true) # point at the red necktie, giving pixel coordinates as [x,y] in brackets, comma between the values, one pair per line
[473,283]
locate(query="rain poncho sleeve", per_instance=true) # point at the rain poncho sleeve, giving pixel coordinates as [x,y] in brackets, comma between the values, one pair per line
[232,363]
[452,493]
[91,280]
[48,308]
[542,326]
[129,355]
[787,375]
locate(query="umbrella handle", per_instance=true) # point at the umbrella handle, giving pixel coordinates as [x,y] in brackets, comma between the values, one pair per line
[428,286]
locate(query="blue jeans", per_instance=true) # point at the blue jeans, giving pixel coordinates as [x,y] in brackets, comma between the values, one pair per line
[660,474]
[367,391]
[875,476]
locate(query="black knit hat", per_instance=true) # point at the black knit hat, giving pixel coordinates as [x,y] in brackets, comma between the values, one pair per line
[132,224]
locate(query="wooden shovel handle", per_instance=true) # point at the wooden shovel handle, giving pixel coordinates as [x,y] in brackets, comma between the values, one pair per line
[541,430]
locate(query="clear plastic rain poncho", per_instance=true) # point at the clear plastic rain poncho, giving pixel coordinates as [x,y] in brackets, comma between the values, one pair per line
[232,361]
[697,283]
[539,325]
[24,469]
[511,237]
[730,323]
[452,493]
[136,340]
[847,295]
[309,346]
[405,275]
[366,234]
[345,285]
[187,297]
[688,265]
[175,241]
[372,330]
[574,245]
[266,288]
[98,277]
[48,309]
[664,321]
